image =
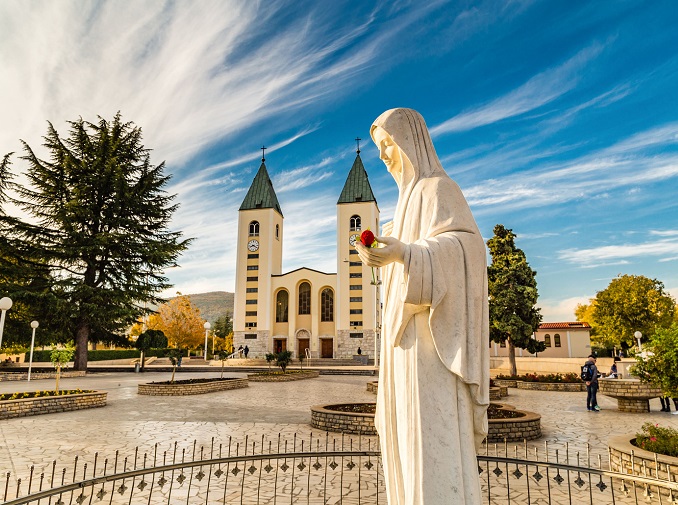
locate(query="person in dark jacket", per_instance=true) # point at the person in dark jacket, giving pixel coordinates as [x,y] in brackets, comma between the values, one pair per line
[246,351]
[592,386]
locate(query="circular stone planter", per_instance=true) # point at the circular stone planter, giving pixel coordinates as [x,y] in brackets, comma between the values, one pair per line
[294,375]
[341,418]
[631,394]
[527,426]
[373,387]
[628,458]
[552,386]
[190,387]
[49,404]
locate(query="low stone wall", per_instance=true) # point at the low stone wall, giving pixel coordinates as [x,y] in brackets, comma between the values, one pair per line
[527,427]
[373,387]
[631,394]
[495,394]
[50,404]
[183,389]
[507,383]
[22,376]
[296,376]
[623,453]
[552,386]
[343,422]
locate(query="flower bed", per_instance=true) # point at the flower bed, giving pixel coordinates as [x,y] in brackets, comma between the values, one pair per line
[354,418]
[35,403]
[625,457]
[290,375]
[507,423]
[190,386]
[547,382]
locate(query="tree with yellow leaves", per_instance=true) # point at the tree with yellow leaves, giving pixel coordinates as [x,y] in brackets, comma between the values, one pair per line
[180,321]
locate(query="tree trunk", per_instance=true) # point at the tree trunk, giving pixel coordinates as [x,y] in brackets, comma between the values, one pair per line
[222,368]
[58,374]
[143,360]
[81,339]
[174,369]
[512,357]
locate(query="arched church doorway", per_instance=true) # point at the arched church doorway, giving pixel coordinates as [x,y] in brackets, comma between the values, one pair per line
[303,342]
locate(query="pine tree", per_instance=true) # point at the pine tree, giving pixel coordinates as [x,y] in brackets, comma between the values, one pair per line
[512,287]
[99,217]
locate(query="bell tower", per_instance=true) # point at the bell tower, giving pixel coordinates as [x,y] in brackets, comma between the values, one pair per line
[258,257]
[358,303]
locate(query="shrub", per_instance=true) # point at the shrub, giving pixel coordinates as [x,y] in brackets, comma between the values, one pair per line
[282,359]
[655,438]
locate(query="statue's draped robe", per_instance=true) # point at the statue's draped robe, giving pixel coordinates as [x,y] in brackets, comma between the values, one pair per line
[434,370]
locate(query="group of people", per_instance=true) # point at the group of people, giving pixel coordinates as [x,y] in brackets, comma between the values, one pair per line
[592,387]
[243,350]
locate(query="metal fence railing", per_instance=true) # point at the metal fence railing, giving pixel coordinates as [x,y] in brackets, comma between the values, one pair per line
[321,470]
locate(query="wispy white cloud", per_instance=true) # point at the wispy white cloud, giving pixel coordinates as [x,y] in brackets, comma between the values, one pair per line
[556,311]
[623,164]
[303,176]
[540,90]
[620,252]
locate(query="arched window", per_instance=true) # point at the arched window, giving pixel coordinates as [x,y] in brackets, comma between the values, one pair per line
[547,340]
[355,223]
[254,229]
[327,305]
[304,298]
[281,304]
[556,340]
[277,231]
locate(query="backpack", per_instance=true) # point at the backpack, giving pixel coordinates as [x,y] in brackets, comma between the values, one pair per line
[586,372]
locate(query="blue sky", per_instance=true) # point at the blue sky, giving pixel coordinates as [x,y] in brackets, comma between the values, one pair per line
[558,119]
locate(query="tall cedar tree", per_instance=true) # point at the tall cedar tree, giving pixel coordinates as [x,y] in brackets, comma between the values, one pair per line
[101,217]
[512,287]
[25,281]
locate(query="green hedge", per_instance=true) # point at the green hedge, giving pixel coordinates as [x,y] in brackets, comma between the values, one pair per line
[105,354]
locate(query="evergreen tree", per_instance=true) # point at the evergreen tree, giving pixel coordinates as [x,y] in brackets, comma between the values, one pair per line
[99,217]
[512,288]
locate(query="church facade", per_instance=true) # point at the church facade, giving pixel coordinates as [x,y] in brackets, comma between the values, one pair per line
[308,312]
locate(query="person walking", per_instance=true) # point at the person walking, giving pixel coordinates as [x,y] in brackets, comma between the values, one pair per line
[246,351]
[592,384]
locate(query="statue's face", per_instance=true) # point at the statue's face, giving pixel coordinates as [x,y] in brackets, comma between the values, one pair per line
[389,152]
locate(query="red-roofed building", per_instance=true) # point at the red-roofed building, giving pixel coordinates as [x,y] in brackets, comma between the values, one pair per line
[563,340]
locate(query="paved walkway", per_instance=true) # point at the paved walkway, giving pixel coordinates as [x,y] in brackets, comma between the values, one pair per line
[262,410]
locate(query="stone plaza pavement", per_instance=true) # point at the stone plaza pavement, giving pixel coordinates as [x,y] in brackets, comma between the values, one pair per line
[262,410]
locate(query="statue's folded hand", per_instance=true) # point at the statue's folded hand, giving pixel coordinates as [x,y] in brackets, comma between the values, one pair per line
[391,250]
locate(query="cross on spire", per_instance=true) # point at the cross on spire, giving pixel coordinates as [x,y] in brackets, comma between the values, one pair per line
[357,141]
[263,153]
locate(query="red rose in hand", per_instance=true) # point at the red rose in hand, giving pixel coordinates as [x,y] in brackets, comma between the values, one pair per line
[367,238]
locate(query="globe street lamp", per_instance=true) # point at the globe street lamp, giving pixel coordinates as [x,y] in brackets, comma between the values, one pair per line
[34,325]
[638,336]
[207,331]
[5,305]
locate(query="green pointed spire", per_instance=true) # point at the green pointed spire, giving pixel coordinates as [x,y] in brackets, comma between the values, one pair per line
[261,194]
[357,187]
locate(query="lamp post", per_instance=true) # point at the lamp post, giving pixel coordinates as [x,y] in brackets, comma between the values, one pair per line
[638,336]
[5,305]
[34,325]
[207,331]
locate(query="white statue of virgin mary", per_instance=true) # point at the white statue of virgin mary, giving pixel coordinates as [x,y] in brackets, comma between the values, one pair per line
[434,372]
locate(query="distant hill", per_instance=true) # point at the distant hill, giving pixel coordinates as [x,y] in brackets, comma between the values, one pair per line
[214,304]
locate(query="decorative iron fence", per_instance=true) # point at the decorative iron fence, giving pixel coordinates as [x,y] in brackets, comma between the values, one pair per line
[323,471]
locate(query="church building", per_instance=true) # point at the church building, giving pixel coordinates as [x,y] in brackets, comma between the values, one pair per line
[308,312]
